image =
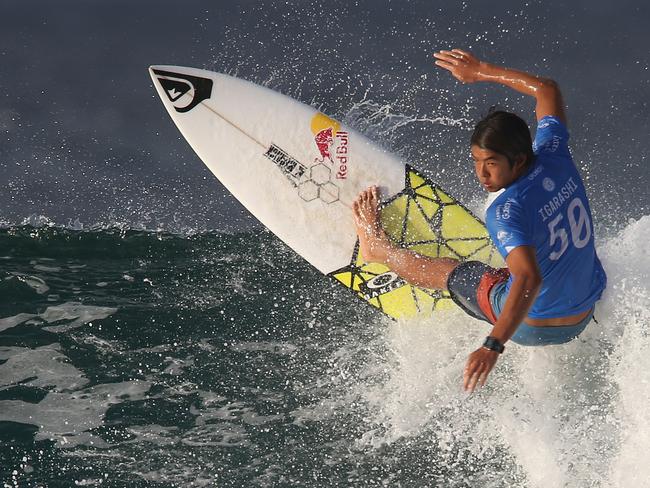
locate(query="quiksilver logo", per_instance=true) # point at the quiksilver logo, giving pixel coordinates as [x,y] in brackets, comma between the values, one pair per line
[174,95]
[184,91]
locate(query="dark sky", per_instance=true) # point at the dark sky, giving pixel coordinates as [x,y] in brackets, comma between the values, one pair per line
[84,137]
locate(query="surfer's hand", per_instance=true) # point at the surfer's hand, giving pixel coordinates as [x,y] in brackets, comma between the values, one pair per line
[464,66]
[478,367]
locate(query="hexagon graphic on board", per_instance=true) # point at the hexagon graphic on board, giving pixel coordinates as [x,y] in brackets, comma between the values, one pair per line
[320,173]
[328,192]
[308,191]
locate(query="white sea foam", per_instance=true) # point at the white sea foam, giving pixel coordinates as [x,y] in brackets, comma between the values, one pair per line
[381,122]
[34,282]
[76,313]
[71,408]
[43,367]
[568,415]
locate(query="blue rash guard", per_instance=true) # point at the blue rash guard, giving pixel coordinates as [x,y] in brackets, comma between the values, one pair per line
[547,208]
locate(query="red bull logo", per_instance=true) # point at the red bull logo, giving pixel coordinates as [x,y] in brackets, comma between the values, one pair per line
[332,143]
[342,155]
[324,141]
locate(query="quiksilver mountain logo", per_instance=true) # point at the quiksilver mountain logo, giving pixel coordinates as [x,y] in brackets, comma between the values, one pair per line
[184,91]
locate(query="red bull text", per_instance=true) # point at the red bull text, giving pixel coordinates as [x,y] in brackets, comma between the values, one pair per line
[342,155]
[325,139]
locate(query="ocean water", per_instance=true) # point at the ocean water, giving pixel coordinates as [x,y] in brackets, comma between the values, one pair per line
[168,356]
[153,335]
[153,359]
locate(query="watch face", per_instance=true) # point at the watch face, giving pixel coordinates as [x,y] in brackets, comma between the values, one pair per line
[493,344]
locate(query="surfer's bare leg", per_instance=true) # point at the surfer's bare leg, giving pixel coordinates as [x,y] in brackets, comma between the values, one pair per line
[374,244]
[376,247]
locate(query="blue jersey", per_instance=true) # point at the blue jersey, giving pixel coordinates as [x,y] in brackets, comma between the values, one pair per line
[547,208]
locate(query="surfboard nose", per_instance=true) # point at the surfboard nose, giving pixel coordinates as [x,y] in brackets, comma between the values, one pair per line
[184,88]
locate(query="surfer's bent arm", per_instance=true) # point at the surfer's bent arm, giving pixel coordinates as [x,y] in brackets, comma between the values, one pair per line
[468,69]
[526,282]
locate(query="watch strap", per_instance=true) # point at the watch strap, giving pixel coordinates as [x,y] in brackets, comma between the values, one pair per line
[493,344]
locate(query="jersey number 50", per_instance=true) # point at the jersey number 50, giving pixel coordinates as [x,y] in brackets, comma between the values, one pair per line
[577,225]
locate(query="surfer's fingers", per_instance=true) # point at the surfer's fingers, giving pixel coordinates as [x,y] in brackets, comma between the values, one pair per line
[459,55]
[447,53]
[476,372]
[470,384]
[484,376]
[471,375]
[447,66]
[462,54]
[451,60]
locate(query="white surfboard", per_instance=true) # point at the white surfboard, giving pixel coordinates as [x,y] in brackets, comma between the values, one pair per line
[298,172]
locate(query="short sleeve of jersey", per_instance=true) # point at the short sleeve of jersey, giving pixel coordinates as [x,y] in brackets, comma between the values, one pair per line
[508,226]
[552,137]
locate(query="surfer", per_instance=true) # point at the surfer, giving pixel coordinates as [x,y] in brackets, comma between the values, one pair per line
[541,224]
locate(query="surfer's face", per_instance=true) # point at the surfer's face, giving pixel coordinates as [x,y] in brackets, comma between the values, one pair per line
[493,169]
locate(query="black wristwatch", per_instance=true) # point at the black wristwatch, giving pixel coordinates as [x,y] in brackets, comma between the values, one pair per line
[493,344]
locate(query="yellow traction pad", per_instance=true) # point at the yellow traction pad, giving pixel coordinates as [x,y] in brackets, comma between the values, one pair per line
[426,219]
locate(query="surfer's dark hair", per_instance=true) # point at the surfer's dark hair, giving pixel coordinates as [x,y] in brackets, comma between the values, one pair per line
[505,133]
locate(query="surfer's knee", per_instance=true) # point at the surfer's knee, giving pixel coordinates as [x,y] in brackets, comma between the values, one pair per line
[448,266]
[469,285]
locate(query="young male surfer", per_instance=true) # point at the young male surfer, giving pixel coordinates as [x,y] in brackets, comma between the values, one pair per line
[541,224]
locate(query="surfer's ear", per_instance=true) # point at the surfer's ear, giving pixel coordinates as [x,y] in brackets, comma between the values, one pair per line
[520,161]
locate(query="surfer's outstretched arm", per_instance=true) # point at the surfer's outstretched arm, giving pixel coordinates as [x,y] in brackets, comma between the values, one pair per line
[466,68]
